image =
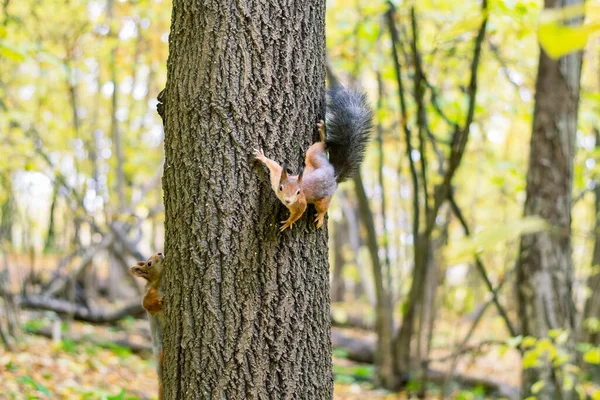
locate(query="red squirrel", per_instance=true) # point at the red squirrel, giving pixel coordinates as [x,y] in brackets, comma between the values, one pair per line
[349,123]
[152,271]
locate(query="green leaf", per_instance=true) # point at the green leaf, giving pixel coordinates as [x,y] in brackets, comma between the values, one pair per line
[537,387]
[119,396]
[529,341]
[463,250]
[468,23]
[592,325]
[592,356]
[558,39]
[11,53]
[30,381]
[340,352]
[530,359]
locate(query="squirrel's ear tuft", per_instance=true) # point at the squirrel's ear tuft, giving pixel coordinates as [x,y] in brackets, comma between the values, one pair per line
[284,174]
[300,175]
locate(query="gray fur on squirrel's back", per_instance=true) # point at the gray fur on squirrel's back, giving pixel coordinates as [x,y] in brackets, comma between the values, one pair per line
[349,123]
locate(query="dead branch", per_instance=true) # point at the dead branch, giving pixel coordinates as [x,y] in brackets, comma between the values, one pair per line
[100,316]
[59,283]
[121,340]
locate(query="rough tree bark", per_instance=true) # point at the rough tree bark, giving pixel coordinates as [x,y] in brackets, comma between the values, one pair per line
[545,268]
[246,307]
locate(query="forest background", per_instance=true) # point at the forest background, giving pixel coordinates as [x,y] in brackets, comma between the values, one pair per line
[426,248]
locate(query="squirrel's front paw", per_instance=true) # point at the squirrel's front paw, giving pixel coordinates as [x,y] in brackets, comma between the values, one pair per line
[321,128]
[259,154]
[286,224]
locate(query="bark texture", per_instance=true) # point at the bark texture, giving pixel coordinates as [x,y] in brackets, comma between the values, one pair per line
[545,268]
[246,307]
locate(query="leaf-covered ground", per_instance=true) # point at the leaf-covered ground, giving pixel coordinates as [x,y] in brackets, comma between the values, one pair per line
[40,368]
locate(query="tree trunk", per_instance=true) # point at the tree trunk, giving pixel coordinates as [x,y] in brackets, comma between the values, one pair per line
[363,286]
[340,238]
[7,209]
[50,243]
[246,307]
[592,304]
[383,307]
[545,268]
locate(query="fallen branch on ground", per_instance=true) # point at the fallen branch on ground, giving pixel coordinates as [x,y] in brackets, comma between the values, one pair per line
[121,341]
[352,321]
[81,313]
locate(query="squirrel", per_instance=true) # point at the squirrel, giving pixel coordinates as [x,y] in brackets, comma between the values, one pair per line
[349,124]
[152,271]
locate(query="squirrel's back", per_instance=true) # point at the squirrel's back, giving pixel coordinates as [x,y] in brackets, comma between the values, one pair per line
[349,124]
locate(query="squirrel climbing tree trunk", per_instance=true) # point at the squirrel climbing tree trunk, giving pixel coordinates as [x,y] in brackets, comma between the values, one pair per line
[545,268]
[246,307]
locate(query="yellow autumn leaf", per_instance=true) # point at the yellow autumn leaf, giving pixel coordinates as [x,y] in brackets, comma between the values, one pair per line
[463,250]
[468,23]
[592,356]
[558,39]
[537,387]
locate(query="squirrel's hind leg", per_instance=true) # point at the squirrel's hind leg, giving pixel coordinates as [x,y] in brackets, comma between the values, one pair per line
[321,206]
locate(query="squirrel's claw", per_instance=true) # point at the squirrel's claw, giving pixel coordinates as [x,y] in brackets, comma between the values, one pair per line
[321,128]
[286,224]
[259,154]
[319,220]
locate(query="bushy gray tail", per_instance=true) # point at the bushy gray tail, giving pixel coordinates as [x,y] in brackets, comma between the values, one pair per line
[349,123]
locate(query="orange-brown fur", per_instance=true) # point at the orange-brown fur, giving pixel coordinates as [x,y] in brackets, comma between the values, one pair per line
[152,270]
[315,185]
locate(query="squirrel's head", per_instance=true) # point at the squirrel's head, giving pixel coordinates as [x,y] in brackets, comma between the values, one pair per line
[290,187]
[151,270]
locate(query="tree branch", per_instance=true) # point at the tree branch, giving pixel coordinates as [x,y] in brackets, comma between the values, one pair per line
[404,118]
[481,268]
[81,313]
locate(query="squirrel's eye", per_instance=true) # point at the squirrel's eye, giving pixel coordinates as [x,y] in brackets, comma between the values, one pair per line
[298,192]
[281,188]
[149,263]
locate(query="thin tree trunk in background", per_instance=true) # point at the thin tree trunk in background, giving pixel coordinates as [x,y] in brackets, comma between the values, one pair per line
[592,304]
[545,267]
[246,306]
[386,262]
[50,243]
[363,286]
[383,308]
[340,238]
[7,210]
[114,123]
